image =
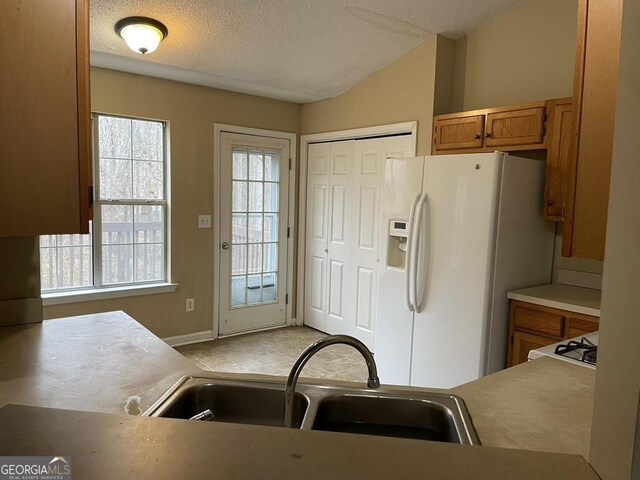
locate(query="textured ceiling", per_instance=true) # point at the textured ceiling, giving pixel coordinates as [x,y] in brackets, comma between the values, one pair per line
[295,50]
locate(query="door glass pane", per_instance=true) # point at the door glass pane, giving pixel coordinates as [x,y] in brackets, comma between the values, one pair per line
[254,289]
[239,165]
[256,166]
[271,167]
[270,251]
[238,259]
[254,259]
[238,291]
[269,287]
[270,197]
[254,226]
[255,196]
[239,228]
[271,227]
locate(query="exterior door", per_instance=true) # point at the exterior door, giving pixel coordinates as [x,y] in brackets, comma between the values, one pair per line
[253,232]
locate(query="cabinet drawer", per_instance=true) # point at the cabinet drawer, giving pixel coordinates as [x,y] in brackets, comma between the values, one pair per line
[578,326]
[539,321]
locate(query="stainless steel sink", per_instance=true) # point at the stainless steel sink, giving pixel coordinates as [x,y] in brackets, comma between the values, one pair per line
[383,411]
[233,403]
[414,418]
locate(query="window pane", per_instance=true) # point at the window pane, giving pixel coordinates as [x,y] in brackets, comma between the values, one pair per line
[148,180]
[115,179]
[148,223]
[256,166]
[255,197]
[114,136]
[148,143]
[255,228]
[149,262]
[117,264]
[66,261]
[271,167]
[271,197]
[117,224]
[239,165]
[239,196]
[239,233]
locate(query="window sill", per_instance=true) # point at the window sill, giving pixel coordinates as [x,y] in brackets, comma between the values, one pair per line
[76,296]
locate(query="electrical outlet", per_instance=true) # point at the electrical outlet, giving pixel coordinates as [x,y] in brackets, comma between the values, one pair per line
[204,221]
[190,305]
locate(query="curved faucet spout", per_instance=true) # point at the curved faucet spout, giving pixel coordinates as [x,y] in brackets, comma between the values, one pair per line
[372,382]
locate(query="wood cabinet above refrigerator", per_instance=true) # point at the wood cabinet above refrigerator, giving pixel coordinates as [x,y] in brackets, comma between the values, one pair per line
[45,132]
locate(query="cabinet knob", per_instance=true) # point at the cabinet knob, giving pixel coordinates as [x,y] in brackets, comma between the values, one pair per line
[477,136]
[487,135]
[549,203]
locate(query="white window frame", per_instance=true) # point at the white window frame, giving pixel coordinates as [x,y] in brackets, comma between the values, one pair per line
[98,291]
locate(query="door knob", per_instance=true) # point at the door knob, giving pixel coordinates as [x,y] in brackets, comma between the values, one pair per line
[225,245]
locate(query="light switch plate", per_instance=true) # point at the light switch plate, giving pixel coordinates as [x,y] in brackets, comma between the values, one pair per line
[204,221]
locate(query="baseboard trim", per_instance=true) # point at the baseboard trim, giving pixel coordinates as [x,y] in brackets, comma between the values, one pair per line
[189,338]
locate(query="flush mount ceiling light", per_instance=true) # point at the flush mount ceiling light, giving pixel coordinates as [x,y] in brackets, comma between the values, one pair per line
[142,34]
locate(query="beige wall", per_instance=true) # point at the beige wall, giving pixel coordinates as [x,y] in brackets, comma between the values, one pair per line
[191,112]
[615,418]
[400,92]
[526,54]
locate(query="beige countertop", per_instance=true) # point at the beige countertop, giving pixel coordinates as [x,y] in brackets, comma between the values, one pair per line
[103,446]
[564,297]
[544,405]
[102,363]
[109,363]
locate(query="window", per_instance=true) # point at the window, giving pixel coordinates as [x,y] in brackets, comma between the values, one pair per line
[127,242]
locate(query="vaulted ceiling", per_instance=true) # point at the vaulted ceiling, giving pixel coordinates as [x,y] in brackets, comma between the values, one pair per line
[295,50]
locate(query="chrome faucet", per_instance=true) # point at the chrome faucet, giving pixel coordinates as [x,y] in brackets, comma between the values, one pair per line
[372,382]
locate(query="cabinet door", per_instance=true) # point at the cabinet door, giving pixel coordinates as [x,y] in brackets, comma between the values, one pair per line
[595,93]
[458,133]
[559,161]
[44,117]
[515,127]
[523,343]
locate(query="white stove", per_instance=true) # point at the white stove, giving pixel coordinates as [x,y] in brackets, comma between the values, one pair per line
[571,351]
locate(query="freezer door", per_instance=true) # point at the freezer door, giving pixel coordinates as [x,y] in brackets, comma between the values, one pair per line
[394,329]
[457,236]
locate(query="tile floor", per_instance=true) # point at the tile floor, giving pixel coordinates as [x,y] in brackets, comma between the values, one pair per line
[273,352]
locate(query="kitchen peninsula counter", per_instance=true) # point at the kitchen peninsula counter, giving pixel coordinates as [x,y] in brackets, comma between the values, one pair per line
[105,362]
[110,364]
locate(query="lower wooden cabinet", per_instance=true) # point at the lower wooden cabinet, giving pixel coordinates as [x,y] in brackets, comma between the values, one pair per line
[534,326]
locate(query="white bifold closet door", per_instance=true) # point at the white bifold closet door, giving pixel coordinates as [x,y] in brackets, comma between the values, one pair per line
[342,233]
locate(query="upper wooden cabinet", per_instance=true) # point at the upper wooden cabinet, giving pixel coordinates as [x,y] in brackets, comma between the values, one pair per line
[45,128]
[514,128]
[594,102]
[560,168]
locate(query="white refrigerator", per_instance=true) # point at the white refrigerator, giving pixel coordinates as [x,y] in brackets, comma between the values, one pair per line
[459,231]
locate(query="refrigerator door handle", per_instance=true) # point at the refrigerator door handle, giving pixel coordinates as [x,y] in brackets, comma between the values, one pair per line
[409,263]
[414,254]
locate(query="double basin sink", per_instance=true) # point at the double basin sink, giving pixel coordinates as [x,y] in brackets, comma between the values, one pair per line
[393,413]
